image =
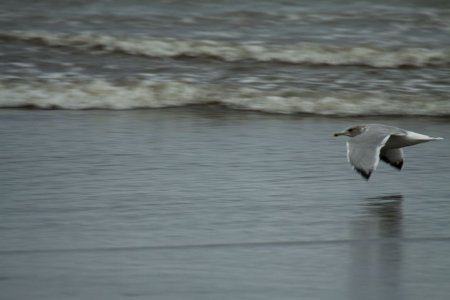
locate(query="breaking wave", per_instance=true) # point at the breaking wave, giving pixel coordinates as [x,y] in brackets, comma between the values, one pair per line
[298,53]
[100,94]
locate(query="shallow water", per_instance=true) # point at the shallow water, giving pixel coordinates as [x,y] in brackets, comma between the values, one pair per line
[203,202]
[207,203]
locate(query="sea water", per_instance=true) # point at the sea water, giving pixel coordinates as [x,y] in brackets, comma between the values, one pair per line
[184,150]
[327,58]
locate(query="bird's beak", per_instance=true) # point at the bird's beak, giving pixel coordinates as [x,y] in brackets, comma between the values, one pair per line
[340,133]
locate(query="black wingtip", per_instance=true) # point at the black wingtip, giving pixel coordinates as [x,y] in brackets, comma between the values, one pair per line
[396,164]
[365,174]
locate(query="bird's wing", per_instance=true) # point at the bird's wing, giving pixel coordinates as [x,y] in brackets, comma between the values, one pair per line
[363,151]
[394,157]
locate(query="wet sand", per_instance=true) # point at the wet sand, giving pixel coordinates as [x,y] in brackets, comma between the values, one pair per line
[206,203]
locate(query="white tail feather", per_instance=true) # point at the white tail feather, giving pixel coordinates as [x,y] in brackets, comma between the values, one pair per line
[420,137]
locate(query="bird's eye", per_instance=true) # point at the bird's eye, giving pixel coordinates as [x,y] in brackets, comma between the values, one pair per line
[351,129]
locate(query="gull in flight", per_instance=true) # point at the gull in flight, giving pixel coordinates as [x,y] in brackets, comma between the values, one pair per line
[372,142]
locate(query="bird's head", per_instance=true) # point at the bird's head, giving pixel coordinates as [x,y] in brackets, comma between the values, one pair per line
[352,131]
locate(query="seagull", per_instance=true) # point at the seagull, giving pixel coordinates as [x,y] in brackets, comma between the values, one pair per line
[372,142]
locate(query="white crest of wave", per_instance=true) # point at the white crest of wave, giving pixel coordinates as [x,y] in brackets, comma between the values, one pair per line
[100,94]
[299,53]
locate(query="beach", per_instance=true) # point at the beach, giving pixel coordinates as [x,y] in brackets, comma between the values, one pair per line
[185,150]
[201,203]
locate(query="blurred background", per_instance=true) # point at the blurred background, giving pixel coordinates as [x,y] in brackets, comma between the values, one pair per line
[327,57]
[184,149]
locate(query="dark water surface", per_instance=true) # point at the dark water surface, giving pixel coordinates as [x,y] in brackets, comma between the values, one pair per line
[205,203]
[200,202]
[329,57]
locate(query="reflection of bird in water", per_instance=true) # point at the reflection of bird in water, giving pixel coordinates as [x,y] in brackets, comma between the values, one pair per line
[376,256]
[388,211]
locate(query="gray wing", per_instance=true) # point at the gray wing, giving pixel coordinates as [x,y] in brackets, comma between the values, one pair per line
[363,151]
[394,157]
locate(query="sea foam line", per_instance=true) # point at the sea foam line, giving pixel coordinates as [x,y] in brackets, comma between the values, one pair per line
[101,94]
[244,245]
[297,53]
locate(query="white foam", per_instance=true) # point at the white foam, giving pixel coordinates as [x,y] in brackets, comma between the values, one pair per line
[300,53]
[100,94]
[97,94]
